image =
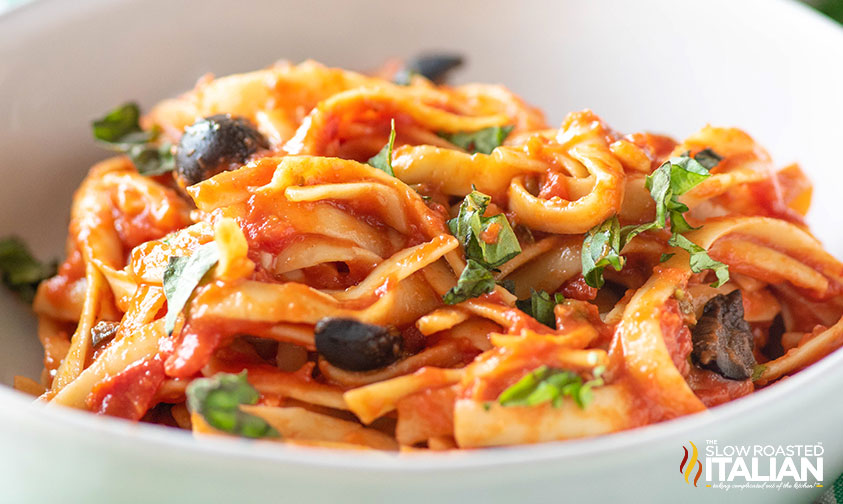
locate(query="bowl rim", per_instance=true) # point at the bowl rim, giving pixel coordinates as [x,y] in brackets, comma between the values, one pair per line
[82,422]
[19,407]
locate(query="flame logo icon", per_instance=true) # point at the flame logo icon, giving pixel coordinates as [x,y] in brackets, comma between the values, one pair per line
[689,468]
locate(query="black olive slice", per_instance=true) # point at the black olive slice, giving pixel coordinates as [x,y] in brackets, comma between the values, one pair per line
[434,67]
[356,346]
[216,144]
[723,339]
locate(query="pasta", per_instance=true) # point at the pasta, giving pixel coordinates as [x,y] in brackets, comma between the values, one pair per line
[316,256]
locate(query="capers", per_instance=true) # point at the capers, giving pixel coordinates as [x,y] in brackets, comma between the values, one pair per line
[215,144]
[355,346]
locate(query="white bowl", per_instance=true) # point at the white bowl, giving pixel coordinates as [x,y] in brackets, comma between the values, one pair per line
[772,68]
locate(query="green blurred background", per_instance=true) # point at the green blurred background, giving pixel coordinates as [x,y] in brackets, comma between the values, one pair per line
[831,8]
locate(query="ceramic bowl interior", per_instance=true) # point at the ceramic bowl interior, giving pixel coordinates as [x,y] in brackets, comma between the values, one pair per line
[769,67]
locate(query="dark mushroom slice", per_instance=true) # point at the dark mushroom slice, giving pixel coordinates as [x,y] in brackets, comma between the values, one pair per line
[434,67]
[356,346]
[723,339]
[215,144]
[103,331]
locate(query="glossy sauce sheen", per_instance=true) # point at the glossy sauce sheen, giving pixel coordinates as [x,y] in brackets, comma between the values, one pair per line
[307,231]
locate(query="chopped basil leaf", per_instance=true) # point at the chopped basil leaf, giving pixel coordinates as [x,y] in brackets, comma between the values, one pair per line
[474,281]
[483,141]
[708,158]
[540,306]
[120,124]
[182,276]
[685,174]
[470,227]
[152,160]
[120,130]
[604,242]
[666,257]
[19,271]
[674,178]
[525,233]
[601,248]
[757,371]
[700,260]
[627,233]
[545,384]
[383,159]
[218,398]
[508,284]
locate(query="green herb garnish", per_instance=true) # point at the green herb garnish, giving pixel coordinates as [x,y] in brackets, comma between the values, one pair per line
[383,159]
[483,141]
[182,276]
[508,284]
[708,158]
[474,281]
[601,248]
[19,271]
[540,306]
[120,131]
[545,384]
[671,180]
[218,398]
[469,226]
[757,371]
[603,243]
[700,260]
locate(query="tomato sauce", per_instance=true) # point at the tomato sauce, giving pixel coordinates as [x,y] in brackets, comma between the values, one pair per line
[554,184]
[657,147]
[129,393]
[193,348]
[520,321]
[577,288]
[713,389]
[69,272]
[677,337]
[490,234]
[431,411]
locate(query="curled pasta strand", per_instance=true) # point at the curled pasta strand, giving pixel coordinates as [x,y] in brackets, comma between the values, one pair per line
[804,354]
[301,424]
[645,356]
[455,173]
[790,246]
[73,363]
[133,347]
[583,138]
[318,131]
[372,401]
[479,424]
[448,353]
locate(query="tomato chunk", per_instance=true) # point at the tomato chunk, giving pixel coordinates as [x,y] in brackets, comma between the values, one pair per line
[129,393]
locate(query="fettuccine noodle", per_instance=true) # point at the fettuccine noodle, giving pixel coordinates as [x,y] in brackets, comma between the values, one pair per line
[306,230]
